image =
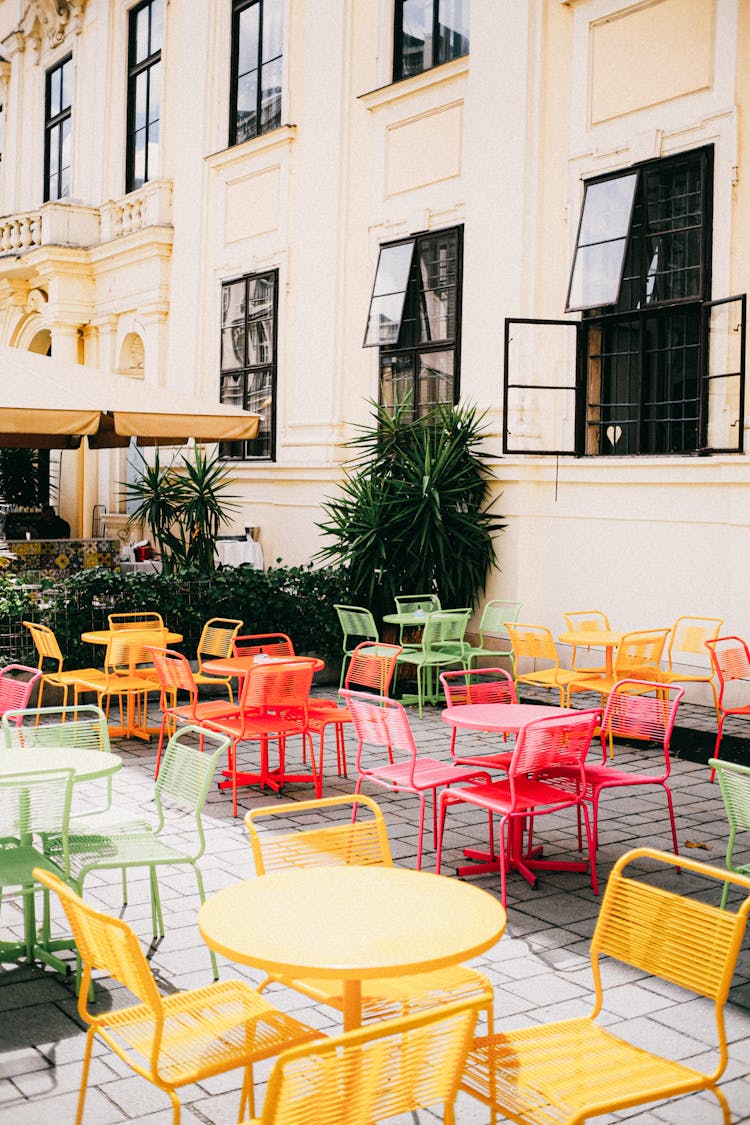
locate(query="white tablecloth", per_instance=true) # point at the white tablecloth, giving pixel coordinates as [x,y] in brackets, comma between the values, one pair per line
[233,552]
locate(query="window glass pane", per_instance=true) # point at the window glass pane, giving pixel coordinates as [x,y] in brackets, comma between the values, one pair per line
[233,390]
[154,92]
[453,29]
[384,321]
[233,347]
[416,36]
[387,304]
[141,99]
[54,152]
[270,96]
[66,84]
[152,151]
[54,92]
[141,34]
[233,303]
[434,380]
[65,158]
[259,342]
[248,30]
[607,207]
[157,26]
[602,242]
[596,274]
[247,103]
[394,263]
[259,400]
[396,380]
[139,162]
[437,307]
[273,29]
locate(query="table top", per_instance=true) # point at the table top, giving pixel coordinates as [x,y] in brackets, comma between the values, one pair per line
[591,637]
[416,618]
[87,765]
[507,718]
[351,922]
[241,665]
[103,636]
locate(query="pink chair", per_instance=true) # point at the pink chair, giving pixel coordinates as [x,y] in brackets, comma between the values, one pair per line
[730,658]
[382,726]
[482,685]
[544,747]
[15,693]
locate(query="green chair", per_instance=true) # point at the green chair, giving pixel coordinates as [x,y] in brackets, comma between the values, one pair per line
[734,780]
[357,625]
[492,628]
[181,788]
[442,645]
[414,605]
[32,804]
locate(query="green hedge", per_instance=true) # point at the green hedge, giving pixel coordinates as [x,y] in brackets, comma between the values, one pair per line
[298,601]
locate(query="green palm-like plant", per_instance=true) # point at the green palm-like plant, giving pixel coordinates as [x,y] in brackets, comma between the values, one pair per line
[413,512]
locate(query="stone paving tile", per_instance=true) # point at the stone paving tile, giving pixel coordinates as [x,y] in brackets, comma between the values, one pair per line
[540,968]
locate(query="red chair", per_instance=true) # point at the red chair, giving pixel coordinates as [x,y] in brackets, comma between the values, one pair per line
[175,677]
[14,693]
[271,644]
[272,707]
[482,685]
[383,725]
[544,747]
[371,666]
[730,658]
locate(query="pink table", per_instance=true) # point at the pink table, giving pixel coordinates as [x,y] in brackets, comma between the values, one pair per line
[506,718]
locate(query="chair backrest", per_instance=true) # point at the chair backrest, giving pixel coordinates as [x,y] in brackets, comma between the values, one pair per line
[380,725]
[137,619]
[45,643]
[80,728]
[545,745]
[127,649]
[643,710]
[357,623]
[376,1073]
[445,627]
[689,636]
[174,672]
[494,616]
[15,693]
[734,780]
[481,685]
[585,619]
[185,774]
[272,644]
[730,658]
[417,603]
[35,802]
[216,639]
[277,688]
[680,938]
[532,642]
[329,842]
[640,652]
[107,944]
[372,666]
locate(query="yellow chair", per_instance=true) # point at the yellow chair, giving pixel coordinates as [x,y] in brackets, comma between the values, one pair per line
[582,621]
[171,1040]
[373,1074]
[638,657]
[574,1069]
[332,841]
[536,643]
[127,665]
[136,619]
[688,639]
[216,643]
[48,649]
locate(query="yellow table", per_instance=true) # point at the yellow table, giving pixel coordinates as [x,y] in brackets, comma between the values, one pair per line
[351,924]
[595,638]
[103,637]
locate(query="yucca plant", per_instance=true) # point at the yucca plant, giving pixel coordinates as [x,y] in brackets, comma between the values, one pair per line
[413,513]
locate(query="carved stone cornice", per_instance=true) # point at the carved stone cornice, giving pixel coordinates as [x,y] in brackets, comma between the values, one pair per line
[46,19]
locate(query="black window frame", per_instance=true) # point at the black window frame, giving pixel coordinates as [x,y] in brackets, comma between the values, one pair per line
[150,66]
[644,378]
[408,345]
[400,54]
[239,7]
[56,123]
[263,447]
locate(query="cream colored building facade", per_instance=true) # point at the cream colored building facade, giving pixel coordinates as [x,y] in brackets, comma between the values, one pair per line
[498,142]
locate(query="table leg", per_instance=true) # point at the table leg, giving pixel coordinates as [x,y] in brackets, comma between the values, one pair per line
[352,1005]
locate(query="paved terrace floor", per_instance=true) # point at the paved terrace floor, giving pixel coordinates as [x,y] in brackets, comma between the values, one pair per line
[540,968]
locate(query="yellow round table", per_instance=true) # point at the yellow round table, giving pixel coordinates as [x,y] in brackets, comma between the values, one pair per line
[351,923]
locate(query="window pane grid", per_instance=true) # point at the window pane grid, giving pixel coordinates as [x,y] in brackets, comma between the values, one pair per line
[57,131]
[257,55]
[427,33]
[144,93]
[248,358]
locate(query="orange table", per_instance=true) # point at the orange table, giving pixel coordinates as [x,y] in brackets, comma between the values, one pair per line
[240,665]
[595,638]
[350,924]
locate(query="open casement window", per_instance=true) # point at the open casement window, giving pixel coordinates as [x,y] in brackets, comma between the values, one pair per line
[599,260]
[541,386]
[724,376]
[389,294]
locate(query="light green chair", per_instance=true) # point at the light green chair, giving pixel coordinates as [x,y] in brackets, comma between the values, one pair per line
[442,645]
[734,780]
[181,788]
[492,629]
[357,625]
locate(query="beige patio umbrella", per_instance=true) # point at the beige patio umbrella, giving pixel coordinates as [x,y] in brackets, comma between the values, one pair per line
[46,403]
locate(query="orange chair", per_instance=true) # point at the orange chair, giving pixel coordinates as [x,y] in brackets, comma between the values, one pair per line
[483,685]
[535,643]
[371,666]
[730,658]
[581,622]
[543,748]
[688,639]
[272,707]
[270,644]
[383,725]
[175,676]
[48,650]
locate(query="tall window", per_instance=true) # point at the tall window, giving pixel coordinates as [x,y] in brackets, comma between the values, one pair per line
[57,127]
[248,358]
[427,33]
[658,366]
[145,33]
[415,319]
[257,44]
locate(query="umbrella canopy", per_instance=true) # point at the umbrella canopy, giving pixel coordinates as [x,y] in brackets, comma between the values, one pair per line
[48,404]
